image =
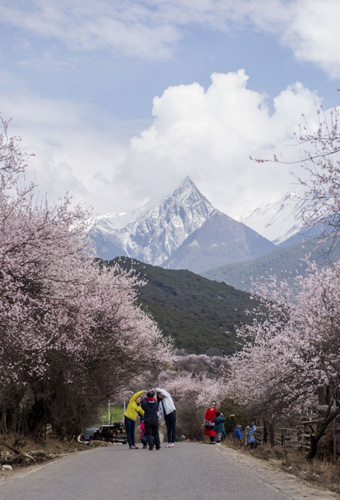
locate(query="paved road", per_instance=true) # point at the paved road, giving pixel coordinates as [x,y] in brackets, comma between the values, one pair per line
[189,471]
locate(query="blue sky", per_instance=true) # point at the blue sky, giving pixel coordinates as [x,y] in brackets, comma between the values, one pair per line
[120,100]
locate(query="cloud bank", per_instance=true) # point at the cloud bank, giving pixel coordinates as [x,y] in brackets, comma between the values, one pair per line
[207,134]
[210,135]
[152,29]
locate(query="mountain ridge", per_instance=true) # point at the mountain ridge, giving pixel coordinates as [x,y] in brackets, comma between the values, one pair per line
[156,232]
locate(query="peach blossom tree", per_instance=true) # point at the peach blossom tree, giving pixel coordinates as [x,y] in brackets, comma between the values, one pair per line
[71,334]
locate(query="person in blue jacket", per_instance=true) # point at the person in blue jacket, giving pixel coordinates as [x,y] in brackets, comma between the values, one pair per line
[251,435]
[238,433]
[219,426]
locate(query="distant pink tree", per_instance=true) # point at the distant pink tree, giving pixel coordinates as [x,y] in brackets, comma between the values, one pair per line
[192,395]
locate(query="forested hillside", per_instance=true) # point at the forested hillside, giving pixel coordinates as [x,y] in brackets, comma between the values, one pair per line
[198,313]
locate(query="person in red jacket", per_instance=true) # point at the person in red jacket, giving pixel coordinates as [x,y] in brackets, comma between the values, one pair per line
[209,422]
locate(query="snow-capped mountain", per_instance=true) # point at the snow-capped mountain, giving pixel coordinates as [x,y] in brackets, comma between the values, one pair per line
[277,220]
[182,230]
[151,234]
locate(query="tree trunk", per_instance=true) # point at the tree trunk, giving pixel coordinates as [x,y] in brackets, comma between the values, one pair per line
[265,431]
[315,438]
[272,434]
[37,418]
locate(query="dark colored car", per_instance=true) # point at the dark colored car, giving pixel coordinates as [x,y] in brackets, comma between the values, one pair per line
[113,433]
[87,434]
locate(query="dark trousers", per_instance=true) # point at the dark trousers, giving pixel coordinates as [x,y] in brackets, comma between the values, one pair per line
[170,422]
[130,430]
[151,430]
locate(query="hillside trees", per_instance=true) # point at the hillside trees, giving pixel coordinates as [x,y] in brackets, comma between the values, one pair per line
[71,335]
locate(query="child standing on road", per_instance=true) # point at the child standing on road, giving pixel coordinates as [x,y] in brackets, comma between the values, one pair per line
[219,426]
[251,436]
[143,438]
[238,433]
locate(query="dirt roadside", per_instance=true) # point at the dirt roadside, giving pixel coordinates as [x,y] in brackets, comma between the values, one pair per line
[33,454]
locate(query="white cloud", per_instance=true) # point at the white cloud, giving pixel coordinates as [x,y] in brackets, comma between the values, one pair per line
[209,135]
[76,149]
[130,27]
[152,29]
[313,33]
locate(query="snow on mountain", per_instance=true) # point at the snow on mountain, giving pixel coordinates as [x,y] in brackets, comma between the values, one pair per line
[152,233]
[118,220]
[184,231]
[277,220]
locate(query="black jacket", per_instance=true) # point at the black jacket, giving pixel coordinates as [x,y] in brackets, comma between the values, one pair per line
[150,407]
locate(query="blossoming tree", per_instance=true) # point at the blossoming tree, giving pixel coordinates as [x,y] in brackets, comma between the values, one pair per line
[71,334]
[293,354]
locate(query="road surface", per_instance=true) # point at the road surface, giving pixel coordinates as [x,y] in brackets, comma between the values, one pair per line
[189,471]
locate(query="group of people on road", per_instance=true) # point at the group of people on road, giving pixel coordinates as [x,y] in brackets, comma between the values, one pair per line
[214,424]
[157,403]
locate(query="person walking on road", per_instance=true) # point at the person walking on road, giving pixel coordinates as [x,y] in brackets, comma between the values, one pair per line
[209,425]
[150,407]
[167,410]
[132,410]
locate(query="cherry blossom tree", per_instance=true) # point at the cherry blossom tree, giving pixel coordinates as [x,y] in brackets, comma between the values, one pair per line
[71,333]
[293,352]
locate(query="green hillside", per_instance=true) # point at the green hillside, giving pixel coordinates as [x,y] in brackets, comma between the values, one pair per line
[196,312]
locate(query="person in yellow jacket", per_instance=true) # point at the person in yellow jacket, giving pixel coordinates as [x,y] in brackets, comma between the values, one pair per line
[132,410]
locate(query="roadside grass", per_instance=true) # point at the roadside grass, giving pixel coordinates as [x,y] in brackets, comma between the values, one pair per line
[116,415]
[321,472]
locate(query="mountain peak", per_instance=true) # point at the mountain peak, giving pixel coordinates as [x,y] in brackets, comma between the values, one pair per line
[279,219]
[188,192]
[154,233]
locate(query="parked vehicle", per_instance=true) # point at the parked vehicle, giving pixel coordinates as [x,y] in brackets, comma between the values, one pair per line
[87,434]
[113,433]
